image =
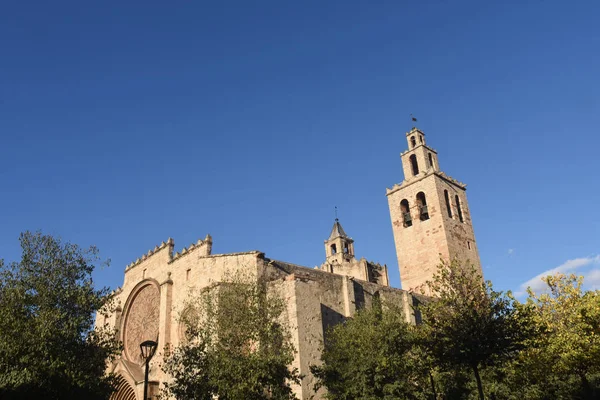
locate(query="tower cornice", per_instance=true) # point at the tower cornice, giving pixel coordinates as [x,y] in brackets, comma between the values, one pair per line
[418,146]
[419,178]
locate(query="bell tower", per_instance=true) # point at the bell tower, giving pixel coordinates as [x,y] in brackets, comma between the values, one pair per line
[340,259]
[339,247]
[430,216]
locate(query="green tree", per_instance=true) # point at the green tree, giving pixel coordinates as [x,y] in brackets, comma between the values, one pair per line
[48,347]
[469,325]
[373,356]
[564,362]
[238,346]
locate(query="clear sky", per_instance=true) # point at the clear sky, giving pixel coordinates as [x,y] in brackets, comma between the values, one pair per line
[125,123]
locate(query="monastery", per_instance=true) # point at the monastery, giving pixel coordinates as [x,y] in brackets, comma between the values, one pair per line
[430,220]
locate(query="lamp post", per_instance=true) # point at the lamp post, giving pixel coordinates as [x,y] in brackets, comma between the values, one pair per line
[148,349]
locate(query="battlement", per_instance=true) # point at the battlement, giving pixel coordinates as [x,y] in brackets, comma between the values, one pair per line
[415,179]
[414,130]
[168,246]
[377,265]
[452,180]
[409,150]
[204,247]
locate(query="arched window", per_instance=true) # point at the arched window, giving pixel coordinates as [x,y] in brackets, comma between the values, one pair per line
[460,216]
[413,141]
[448,206]
[333,249]
[421,138]
[414,165]
[406,218]
[430,160]
[346,249]
[422,203]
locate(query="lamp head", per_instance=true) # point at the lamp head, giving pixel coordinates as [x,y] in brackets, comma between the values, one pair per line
[148,349]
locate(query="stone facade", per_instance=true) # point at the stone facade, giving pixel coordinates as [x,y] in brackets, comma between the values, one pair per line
[157,285]
[430,216]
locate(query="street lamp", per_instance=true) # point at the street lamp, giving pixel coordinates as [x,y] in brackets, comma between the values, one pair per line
[148,349]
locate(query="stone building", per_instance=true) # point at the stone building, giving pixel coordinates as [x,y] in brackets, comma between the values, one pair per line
[430,219]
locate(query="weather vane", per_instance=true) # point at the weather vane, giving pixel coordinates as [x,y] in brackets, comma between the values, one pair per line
[336,217]
[413,118]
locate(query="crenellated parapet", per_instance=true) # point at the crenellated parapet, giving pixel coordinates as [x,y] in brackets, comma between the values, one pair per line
[408,151]
[202,248]
[164,246]
[377,265]
[450,179]
[413,179]
[394,188]
[378,273]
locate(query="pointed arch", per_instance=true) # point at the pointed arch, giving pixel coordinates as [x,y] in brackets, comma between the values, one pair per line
[414,165]
[413,141]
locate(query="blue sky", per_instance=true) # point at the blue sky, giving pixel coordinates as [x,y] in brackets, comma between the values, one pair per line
[125,123]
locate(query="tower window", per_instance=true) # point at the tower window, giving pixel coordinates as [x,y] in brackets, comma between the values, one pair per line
[413,141]
[333,249]
[430,160]
[460,216]
[414,165]
[421,138]
[448,206]
[406,218]
[422,203]
[346,250]
[469,244]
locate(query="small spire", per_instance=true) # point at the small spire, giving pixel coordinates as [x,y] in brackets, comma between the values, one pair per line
[337,230]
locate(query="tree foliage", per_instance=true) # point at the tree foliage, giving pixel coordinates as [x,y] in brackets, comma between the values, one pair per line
[373,356]
[48,347]
[238,346]
[470,334]
[564,362]
[470,325]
